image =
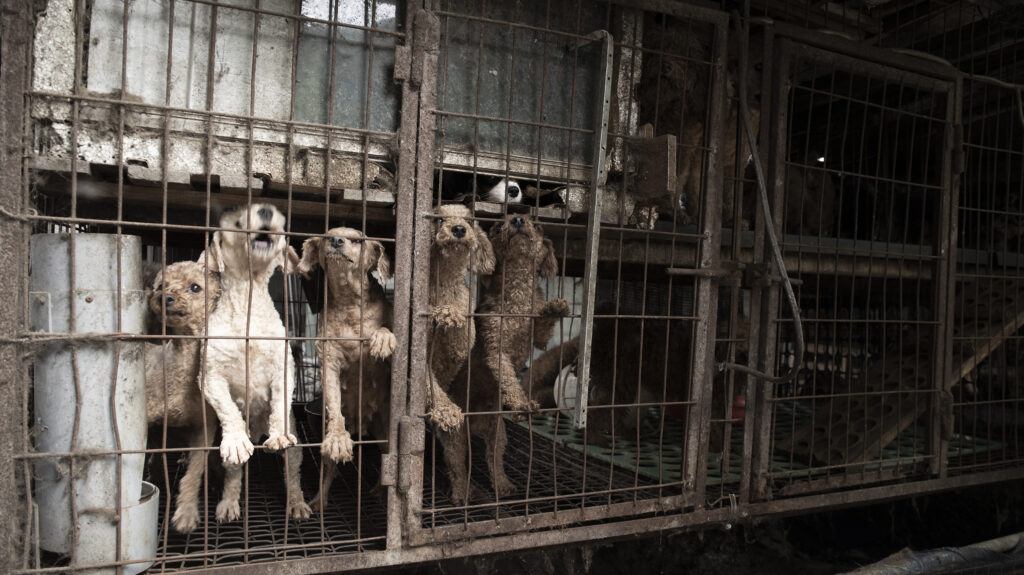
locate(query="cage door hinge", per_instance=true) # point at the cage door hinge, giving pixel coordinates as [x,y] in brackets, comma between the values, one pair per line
[400,469]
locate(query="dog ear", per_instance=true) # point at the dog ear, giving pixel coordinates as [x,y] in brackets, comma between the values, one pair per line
[212,258]
[548,264]
[482,260]
[289,260]
[383,262]
[310,256]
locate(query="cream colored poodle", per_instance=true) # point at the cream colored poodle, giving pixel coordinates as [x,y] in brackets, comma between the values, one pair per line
[355,337]
[513,318]
[182,296]
[459,246]
[240,374]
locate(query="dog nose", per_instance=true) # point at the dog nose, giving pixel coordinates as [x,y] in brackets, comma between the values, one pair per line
[518,222]
[459,231]
[265,214]
[513,192]
[337,242]
[168,300]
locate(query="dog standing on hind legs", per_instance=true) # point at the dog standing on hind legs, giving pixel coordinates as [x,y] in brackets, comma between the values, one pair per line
[256,375]
[515,319]
[459,246]
[356,337]
[183,295]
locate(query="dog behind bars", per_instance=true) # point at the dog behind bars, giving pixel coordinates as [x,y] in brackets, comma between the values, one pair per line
[182,296]
[514,320]
[255,375]
[356,337]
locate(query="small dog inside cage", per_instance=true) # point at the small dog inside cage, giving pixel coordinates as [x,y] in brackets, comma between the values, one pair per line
[183,296]
[263,388]
[356,380]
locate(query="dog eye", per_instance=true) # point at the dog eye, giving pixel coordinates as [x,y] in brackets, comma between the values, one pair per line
[159,287]
[357,240]
[194,288]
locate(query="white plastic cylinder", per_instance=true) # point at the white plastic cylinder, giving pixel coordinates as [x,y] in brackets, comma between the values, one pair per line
[111,409]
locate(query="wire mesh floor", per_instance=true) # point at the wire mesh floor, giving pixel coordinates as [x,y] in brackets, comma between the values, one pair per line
[549,476]
[263,534]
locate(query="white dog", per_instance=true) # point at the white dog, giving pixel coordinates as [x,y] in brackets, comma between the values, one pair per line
[246,260]
[505,191]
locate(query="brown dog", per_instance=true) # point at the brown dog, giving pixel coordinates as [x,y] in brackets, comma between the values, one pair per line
[459,246]
[355,379]
[514,318]
[183,296]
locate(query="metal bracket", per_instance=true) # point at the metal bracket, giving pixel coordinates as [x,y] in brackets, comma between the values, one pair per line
[411,433]
[650,166]
[426,39]
[403,63]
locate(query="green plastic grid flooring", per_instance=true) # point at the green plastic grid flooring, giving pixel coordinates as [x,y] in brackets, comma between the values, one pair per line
[660,456]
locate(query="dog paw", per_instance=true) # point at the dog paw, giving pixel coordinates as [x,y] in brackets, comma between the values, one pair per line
[316,505]
[446,316]
[556,308]
[337,446]
[235,447]
[503,487]
[461,493]
[299,510]
[228,510]
[186,518]
[277,441]
[447,417]
[382,343]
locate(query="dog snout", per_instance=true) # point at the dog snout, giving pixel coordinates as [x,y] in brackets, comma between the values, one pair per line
[265,214]
[518,222]
[459,231]
[337,242]
[168,300]
[513,192]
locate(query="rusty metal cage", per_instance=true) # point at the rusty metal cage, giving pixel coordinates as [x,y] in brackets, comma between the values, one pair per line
[566,196]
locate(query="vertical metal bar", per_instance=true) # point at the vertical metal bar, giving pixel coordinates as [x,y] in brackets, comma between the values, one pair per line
[15,38]
[706,300]
[752,415]
[425,48]
[579,414]
[945,300]
[769,337]
[405,210]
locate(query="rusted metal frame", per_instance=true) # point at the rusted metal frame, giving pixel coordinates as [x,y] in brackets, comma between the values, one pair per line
[723,517]
[555,518]
[209,114]
[482,529]
[709,253]
[946,296]
[16,32]
[405,217]
[753,416]
[598,175]
[293,16]
[898,63]
[704,12]
[768,338]
[412,428]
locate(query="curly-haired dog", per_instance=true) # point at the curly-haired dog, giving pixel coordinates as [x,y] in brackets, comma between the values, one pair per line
[183,298]
[356,333]
[515,318]
[254,374]
[459,246]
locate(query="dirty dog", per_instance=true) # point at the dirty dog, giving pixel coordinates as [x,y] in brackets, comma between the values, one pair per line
[459,246]
[355,379]
[182,296]
[503,345]
[256,375]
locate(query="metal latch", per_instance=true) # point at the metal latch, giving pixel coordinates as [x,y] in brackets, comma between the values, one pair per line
[731,271]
